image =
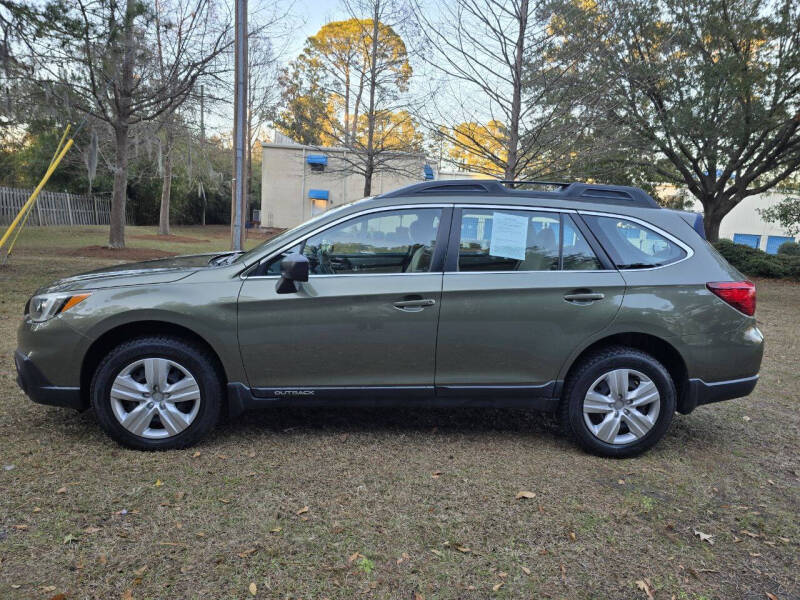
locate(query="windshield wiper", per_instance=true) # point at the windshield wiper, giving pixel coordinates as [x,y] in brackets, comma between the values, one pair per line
[224,259]
[639,265]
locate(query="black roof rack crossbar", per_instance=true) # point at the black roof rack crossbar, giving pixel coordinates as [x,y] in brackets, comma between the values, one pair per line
[576,191]
[512,183]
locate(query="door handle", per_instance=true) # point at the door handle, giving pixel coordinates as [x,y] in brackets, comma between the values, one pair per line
[413,305]
[584,298]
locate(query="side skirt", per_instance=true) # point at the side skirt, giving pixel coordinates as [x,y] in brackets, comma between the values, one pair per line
[542,398]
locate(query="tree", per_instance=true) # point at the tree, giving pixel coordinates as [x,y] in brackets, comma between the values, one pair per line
[710,87]
[500,107]
[100,62]
[786,213]
[346,89]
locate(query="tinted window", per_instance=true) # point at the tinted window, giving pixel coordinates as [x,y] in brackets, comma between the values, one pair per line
[520,240]
[401,241]
[577,255]
[634,246]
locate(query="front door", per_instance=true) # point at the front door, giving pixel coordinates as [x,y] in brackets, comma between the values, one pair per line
[366,318]
[522,290]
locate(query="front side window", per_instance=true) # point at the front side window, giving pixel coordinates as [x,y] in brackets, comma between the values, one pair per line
[634,246]
[400,241]
[521,240]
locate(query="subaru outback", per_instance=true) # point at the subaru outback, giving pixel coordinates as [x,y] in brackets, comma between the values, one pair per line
[587,300]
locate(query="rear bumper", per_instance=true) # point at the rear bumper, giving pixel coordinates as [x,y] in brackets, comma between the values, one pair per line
[700,392]
[40,390]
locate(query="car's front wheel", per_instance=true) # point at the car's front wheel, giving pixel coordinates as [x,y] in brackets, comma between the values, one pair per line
[618,402]
[157,393]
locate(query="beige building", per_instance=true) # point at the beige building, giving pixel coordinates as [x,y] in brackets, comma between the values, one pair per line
[298,182]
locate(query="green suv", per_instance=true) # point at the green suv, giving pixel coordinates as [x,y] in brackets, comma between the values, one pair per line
[587,300]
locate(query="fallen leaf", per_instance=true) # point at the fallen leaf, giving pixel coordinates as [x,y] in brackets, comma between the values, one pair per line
[102,559]
[302,510]
[196,454]
[159,483]
[621,481]
[20,527]
[276,530]
[253,589]
[91,529]
[704,537]
[644,585]
[463,549]
[225,500]
[61,490]
[526,570]
[58,597]
[524,494]
[497,586]
[754,554]
[418,596]
[436,474]
[246,553]
[140,571]
[49,588]
[436,552]
[353,557]
[502,574]
[180,495]
[127,594]
[771,596]
[749,533]
[572,536]
[37,509]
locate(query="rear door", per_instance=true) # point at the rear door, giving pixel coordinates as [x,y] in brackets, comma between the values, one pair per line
[366,318]
[522,289]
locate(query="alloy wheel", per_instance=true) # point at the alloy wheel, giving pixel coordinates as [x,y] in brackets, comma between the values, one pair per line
[155,398]
[621,406]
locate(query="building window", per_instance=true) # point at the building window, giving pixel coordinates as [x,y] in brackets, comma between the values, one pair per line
[317,162]
[774,242]
[747,239]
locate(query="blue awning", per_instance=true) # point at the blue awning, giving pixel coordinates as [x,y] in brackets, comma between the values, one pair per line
[317,159]
[318,194]
[428,170]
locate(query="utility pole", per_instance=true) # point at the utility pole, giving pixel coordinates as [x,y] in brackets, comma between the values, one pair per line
[239,200]
[203,144]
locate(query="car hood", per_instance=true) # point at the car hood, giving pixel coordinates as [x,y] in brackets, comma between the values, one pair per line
[162,270]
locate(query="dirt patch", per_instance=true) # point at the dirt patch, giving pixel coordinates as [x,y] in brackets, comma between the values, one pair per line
[181,239]
[119,254]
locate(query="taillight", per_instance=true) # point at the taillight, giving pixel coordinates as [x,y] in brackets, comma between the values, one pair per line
[741,295]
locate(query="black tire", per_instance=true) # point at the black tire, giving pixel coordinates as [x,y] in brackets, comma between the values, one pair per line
[571,415]
[197,360]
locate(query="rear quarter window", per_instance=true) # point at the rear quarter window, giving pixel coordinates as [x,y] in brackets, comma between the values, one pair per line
[632,245]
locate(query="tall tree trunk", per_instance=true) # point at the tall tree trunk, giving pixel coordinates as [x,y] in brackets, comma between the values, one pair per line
[516,99]
[712,217]
[116,233]
[369,169]
[122,114]
[166,182]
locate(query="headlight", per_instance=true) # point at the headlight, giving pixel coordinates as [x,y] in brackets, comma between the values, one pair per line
[46,306]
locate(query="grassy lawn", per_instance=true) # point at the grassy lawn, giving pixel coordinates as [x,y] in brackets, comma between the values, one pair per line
[404,504]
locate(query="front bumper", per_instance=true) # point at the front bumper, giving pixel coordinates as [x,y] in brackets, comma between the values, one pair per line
[40,390]
[699,392]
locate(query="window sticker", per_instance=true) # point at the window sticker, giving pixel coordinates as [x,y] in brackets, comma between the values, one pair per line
[509,236]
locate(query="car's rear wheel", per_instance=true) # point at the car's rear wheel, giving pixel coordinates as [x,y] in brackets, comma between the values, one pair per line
[157,393]
[618,402]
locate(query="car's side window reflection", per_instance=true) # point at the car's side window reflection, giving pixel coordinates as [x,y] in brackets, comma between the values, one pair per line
[399,241]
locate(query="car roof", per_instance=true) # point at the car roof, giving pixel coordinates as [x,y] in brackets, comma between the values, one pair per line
[522,192]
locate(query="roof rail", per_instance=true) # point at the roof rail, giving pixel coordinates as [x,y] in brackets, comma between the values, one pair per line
[576,191]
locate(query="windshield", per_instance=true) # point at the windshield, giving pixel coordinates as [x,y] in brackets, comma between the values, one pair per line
[286,235]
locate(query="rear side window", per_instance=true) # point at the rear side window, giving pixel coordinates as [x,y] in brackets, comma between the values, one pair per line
[521,240]
[633,246]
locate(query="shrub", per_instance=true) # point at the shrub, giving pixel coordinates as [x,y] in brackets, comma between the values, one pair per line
[757,263]
[789,249]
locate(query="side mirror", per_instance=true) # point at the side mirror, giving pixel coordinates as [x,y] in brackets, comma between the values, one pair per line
[294,267]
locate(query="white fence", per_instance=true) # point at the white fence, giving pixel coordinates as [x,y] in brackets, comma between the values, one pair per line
[57,208]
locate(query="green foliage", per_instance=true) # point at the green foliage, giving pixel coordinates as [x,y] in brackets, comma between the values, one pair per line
[757,263]
[789,249]
[786,213]
[366,565]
